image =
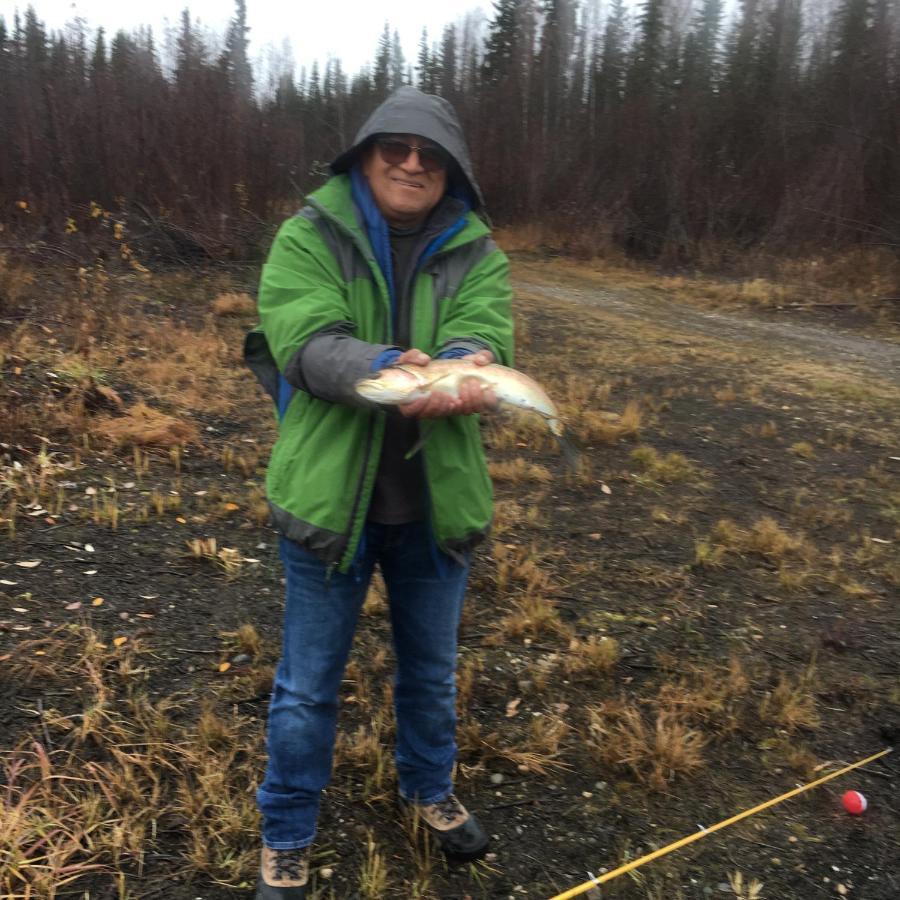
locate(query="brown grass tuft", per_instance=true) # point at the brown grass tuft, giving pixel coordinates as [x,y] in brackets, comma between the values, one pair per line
[713,697]
[518,470]
[144,426]
[663,469]
[594,427]
[765,538]
[598,655]
[618,734]
[234,304]
[792,704]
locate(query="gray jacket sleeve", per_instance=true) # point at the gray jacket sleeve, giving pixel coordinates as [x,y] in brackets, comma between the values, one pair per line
[330,363]
[461,346]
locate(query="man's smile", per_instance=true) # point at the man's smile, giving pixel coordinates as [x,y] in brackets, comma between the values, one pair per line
[406,182]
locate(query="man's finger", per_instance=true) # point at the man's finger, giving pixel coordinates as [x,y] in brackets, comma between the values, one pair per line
[411,410]
[413,357]
[481,358]
[438,406]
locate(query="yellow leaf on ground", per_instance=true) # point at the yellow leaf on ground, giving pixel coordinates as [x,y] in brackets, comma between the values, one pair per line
[224,667]
[97,601]
[512,707]
[231,507]
[119,641]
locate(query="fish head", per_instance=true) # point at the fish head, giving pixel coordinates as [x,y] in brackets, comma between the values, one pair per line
[393,384]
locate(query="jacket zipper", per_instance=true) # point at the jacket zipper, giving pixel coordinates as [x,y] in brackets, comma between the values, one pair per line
[434,307]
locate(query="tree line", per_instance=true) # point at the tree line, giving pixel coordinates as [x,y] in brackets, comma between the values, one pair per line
[669,129]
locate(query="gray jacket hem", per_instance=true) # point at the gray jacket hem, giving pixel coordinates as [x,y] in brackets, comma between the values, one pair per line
[326,545]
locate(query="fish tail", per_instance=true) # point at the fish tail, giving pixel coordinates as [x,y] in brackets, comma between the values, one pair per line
[570,452]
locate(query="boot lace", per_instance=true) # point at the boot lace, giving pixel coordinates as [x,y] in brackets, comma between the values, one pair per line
[290,864]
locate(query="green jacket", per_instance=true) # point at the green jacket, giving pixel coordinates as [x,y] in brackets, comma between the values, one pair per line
[325,314]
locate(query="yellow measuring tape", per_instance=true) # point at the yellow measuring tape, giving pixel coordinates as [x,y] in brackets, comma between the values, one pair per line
[683,842]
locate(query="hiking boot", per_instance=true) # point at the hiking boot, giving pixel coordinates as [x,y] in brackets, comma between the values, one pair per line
[455,829]
[283,874]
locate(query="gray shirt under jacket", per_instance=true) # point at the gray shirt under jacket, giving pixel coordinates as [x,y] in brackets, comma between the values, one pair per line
[400,494]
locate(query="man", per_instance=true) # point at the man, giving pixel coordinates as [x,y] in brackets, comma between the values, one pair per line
[387,263]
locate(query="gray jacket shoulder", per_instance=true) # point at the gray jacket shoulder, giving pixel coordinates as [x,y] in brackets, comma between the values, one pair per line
[345,252]
[451,269]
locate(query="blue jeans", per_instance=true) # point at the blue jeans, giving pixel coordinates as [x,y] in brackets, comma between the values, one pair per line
[425,595]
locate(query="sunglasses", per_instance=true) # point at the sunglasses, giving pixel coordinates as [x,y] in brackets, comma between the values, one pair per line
[394,152]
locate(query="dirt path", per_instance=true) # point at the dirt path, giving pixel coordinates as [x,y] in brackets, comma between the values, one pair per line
[865,355]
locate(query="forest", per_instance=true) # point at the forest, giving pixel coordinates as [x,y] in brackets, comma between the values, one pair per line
[668,130]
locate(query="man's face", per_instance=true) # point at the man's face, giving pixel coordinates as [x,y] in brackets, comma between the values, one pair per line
[405,189]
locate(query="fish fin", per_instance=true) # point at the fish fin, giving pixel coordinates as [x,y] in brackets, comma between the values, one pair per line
[424,434]
[438,380]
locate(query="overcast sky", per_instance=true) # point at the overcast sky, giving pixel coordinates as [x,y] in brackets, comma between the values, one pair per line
[347,29]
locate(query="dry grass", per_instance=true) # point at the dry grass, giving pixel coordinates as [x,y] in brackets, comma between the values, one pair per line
[519,470]
[117,768]
[365,752]
[654,751]
[190,369]
[125,775]
[143,426]
[513,432]
[509,513]
[792,704]
[234,304]
[373,875]
[586,242]
[467,673]
[594,427]
[598,655]
[520,579]
[666,469]
[518,567]
[546,735]
[706,291]
[538,754]
[531,616]
[375,604]
[15,282]
[803,449]
[764,538]
[751,889]
[767,538]
[713,697]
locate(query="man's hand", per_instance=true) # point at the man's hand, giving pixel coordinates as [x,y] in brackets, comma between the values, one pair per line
[473,398]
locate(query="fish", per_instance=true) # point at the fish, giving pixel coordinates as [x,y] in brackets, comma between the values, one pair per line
[396,385]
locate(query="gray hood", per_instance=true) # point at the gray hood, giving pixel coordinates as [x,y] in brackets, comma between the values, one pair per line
[409,111]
